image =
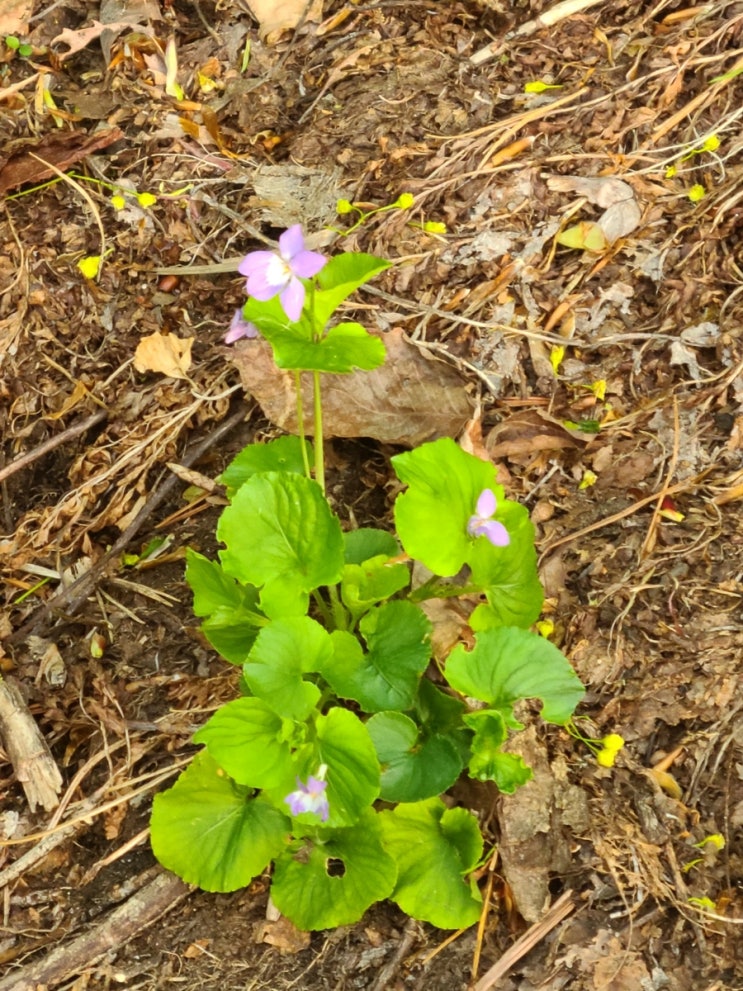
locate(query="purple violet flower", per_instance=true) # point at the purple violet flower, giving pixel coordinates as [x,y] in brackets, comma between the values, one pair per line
[482,525]
[240,327]
[310,797]
[270,273]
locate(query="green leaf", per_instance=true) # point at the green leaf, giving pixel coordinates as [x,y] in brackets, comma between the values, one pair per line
[282,653]
[310,896]
[435,848]
[487,761]
[413,766]
[212,588]
[248,740]
[341,350]
[440,714]
[444,484]
[282,454]
[507,664]
[280,529]
[232,609]
[397,636]
[363,585]
[508,576]
[232,633]
[341,277]
[210,832]
[343,744]
[367,542]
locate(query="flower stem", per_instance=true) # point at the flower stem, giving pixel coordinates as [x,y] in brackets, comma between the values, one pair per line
[300,423]
[319,451]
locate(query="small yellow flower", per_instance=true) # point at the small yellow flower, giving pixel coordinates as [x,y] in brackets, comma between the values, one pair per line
[434,227]
[589,478]
[118,202]
[711,144]
[606,758]
[716,839]
[90,266]
[343,207]
[671,171]
[613,742]
[146,200]
[556,355]
[545,628]
[405,201]
[697,193]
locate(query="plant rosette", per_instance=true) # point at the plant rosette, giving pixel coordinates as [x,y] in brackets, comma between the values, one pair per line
[331,764]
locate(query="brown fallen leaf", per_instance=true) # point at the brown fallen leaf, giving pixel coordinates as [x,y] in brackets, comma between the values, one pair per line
[164,353]
[410,399]
[530,431]
[276,16]
[283,935]
[14,15]
[117,16]
[62,149]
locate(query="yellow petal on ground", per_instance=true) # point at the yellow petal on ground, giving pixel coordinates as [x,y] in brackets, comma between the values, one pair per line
[164,353]
[90,266]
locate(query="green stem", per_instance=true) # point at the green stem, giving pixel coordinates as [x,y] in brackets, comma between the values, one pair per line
[340,613]
[322,606]
[300,423]
[319,451]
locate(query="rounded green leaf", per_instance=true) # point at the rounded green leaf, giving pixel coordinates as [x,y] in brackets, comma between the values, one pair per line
[210,832]
[342,349]
[344,744]
[247,739]
[508,576]
[435,849]
[507,664]
[386,677]
[321,885]
[367,542]
[282,454]
[282,653]
[414,765]
[279,528]
[444,484]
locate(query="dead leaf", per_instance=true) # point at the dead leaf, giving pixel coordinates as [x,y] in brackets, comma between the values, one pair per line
[14,15]
[603,191]
[531,431]
[410,399]
[283,935]
[62,149]
[276,16]
[116,17]
[164,353]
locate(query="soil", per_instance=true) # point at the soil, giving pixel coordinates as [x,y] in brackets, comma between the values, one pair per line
[637,505]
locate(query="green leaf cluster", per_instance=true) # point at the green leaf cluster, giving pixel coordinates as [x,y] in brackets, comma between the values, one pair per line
[337,679]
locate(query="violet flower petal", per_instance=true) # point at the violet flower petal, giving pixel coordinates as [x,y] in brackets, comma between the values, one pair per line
[254,261]
[291,242]
[486,504]
[240,327]
[307,263]
[309,798]
[495,532]
[292,299]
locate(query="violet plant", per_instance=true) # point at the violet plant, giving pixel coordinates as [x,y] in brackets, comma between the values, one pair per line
[334,763]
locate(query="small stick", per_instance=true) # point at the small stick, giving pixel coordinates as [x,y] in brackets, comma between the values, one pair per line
[38,452]
[534,935]
[546,20]
[141,911]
